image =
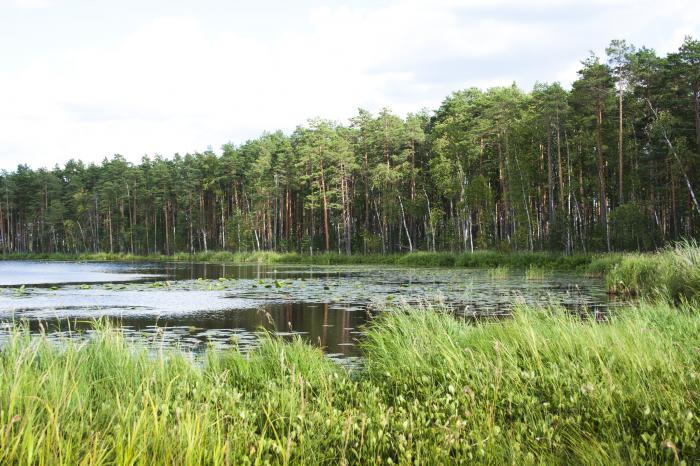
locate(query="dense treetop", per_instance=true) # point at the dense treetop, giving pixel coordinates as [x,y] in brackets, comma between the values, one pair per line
[612,164]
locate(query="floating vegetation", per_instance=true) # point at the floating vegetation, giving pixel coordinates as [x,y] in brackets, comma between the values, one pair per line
[304,295]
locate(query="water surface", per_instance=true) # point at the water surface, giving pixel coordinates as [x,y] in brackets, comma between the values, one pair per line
[47,273]
[193,306]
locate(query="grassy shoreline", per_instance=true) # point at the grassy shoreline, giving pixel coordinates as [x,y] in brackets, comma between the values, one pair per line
[543,387]
[671,274]
[415,259]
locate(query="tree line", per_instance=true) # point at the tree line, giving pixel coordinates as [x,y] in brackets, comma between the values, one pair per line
[611,164]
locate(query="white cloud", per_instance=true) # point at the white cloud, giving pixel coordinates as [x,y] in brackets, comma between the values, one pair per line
[175,84]
[31,4]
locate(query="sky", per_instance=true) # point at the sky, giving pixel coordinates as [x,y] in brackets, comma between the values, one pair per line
[87,79]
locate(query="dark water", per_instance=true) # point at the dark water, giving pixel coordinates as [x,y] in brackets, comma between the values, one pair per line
[193,306]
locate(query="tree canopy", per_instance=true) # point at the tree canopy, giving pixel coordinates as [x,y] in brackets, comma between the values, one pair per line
[611,164]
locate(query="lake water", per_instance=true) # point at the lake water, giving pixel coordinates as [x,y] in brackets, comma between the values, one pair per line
[193,306]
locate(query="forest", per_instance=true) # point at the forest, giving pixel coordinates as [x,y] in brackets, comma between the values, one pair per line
[611,164]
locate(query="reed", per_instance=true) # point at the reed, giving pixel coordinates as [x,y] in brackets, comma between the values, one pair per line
[534,273]
[499,273]
[672,273]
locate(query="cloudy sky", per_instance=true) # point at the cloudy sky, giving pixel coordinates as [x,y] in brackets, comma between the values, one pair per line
[87,78]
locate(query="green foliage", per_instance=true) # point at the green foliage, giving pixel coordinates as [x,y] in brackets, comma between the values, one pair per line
[489,169]
[672,273]
[543,387]
[534,273]
[546,385]
[603,263]
[631,228]
[427,259]
[499,273]
[477,259]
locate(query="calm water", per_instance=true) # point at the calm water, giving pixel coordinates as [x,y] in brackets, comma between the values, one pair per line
[192,306]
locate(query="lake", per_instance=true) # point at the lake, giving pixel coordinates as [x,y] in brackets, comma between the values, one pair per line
[194,306]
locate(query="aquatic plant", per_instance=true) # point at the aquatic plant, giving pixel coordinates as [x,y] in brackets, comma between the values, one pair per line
[498,273]
[534,273]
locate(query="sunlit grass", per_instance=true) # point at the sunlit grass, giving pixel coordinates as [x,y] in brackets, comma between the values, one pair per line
[534,273]
[499,273]
[543,387]
[672,273]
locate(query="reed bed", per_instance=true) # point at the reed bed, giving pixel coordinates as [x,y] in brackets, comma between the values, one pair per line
[534,272]
[672,274]
[499,273]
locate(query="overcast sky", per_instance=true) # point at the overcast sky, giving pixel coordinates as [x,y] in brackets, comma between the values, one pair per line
[87,79]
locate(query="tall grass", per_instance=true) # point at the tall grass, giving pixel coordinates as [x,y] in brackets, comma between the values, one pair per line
[672,273]
[498,273]
[534,273]
[542,388]
[547,387]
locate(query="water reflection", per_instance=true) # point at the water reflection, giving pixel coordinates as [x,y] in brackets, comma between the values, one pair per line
[194,306]
[16,273]
[333,328]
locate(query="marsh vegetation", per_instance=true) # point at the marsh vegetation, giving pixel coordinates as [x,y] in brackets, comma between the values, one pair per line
[433,373]
[542,387]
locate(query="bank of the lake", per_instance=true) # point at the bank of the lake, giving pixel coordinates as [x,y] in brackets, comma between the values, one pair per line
[543,387]
[671,273]
[415,259]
